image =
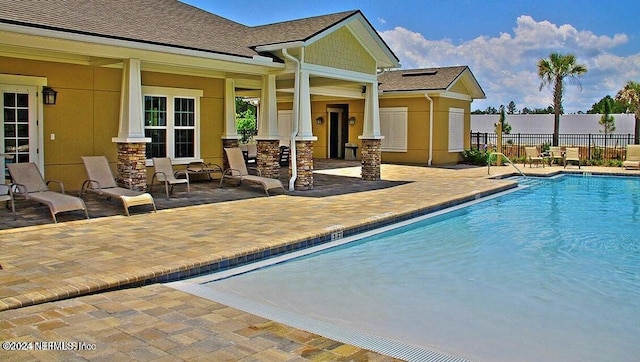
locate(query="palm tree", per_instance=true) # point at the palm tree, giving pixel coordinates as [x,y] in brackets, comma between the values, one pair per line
[630,95]
[553,71]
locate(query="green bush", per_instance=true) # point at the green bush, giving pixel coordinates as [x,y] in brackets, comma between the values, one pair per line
[474,157]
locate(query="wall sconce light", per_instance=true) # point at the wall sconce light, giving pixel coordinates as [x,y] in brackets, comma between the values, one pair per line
[49,95]
[319,120]
[352,120]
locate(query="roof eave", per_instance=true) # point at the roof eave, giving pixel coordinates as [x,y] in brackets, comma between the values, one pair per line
[56,33]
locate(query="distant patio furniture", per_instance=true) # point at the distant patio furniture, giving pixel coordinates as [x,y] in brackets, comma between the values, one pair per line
[29,182]
[284,156]
[6,195]
[632,159]
[250,152]
[163,172]
[532,156]
[572,154]
[202,168]
[555,154]
[238,171]
[101,182]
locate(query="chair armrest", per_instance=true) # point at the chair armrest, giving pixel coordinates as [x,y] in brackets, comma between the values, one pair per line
[256,170]
[89,184]
[60,184]
[21,190]
[183,173]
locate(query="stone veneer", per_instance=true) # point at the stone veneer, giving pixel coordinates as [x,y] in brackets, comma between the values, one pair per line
[371,159]
[131,166]
[228,143]
[304,163]
[268,158]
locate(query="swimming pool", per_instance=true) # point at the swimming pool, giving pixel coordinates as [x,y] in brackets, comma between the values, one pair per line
[549,272]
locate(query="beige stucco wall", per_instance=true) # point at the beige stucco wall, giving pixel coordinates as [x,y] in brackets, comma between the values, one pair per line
[85,118]
[340,50]
[418,128]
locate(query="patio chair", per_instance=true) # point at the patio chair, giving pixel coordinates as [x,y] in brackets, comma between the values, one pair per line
[101,182]
[250,152]
[632,160]
[163,172]
[572,154]
[29,182]
[238,171]
[555,153]
[6,194]
[532,156]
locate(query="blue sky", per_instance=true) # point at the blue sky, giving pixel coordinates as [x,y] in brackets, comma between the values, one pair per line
[501,41]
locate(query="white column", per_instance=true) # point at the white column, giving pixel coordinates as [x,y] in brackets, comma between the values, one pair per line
[305,127]
[230,131]
[268,118]
[371,127]
[131,123]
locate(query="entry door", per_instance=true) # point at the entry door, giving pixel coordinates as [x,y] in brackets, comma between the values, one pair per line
[19,138]
[338,133]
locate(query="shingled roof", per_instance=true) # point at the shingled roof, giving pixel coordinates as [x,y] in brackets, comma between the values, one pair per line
[161,22]
[429,79]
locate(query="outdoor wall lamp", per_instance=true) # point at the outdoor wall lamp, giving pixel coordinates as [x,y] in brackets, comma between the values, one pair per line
[319,120]
[49,95]
[352,120]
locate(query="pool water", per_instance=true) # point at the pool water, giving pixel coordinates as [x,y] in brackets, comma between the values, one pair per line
[550,272]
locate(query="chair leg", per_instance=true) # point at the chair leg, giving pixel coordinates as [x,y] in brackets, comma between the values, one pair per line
[166,188]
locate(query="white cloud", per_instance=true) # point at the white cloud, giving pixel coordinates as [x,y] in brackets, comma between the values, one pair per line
[505,66]
[382,21]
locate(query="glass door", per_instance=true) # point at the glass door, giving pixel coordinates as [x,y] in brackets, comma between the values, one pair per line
[19,136]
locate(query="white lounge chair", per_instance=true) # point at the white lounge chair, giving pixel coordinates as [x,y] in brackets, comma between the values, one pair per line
[238,171]
[29,182]
[101,182]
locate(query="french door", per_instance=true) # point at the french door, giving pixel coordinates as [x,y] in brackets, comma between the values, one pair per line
[19,137]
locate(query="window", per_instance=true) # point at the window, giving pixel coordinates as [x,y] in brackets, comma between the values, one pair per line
[456,129]
[171,120]
[393,126]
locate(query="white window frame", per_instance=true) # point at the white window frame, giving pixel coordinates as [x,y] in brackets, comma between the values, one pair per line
[171,94]
[456,129]
[394,127]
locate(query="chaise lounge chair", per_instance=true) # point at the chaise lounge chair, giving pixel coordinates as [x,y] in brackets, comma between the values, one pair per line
[632,160]
[101,182]
[238,171]
[164,173]
[532,156]
[555,154]
[572,154]
[29,182]
[6,194]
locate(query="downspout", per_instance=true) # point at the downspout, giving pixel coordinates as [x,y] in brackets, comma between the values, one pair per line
[430,129]
[294,128]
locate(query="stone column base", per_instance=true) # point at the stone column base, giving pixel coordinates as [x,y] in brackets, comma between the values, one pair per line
[131,167]
[371,159]
[268,159]
[228,143]
[304,163]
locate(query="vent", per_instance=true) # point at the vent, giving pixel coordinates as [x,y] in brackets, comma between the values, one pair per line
[417,74]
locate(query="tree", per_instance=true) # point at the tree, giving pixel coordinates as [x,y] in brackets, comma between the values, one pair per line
[630,95]
[506,127]
[615,106]
[607,121]
[511,108]
[553,71]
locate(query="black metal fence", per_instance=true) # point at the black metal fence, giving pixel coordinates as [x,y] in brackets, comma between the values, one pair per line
[597,146]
